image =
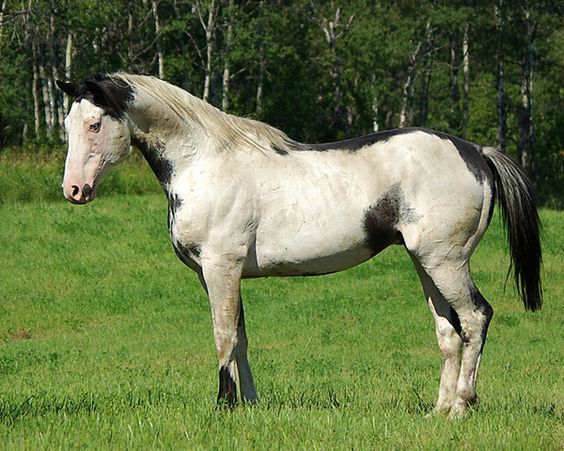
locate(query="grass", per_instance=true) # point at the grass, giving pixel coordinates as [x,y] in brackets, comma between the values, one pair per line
[105,342]
[36,174]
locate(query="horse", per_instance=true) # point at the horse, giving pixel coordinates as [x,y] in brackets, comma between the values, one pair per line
[246,201]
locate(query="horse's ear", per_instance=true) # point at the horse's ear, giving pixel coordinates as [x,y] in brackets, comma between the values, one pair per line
[72,89]
[110,94]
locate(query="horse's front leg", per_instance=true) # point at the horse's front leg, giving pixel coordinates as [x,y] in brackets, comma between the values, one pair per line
[222,279]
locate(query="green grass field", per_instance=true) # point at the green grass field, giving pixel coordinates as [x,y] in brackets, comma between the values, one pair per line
[105,342]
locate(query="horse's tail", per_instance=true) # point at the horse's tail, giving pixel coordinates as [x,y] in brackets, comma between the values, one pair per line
[515,195]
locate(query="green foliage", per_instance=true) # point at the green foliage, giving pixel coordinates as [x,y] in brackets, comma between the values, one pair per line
[284,71]
[106,343]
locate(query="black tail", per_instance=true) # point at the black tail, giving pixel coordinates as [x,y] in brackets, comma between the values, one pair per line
[515,195]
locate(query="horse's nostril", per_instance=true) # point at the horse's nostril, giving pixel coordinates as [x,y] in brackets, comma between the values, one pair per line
[86,190]
[75,190]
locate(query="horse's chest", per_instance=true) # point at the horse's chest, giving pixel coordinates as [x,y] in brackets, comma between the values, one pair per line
[187,251]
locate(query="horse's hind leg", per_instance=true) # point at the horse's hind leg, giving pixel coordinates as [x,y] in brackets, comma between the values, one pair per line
[456,289]
[447,328]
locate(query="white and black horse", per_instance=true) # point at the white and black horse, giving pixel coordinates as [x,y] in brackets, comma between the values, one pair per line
[247,201]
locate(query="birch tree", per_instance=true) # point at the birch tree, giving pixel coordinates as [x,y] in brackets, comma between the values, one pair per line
[160,55]
[526,144]
[501,104]
[334,27]
[466,75]
[408,86]
[207,11]
[3,7]
[226,79]
[68,69]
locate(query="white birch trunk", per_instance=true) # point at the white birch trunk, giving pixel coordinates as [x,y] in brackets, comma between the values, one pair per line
[35,80]
[331,29]
[408,86]
[68,70]
[262,66]
[209,29]
[375,124]
[129,35]
[3,7]
[52,103]
[58,115]
[426,76]
[260,81]
[526,144]
[466,74]
[35,93]
[160,56]
[500,80]
[45,94]
[226,64]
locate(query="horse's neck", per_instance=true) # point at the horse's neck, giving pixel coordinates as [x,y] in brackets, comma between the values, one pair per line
[167,143]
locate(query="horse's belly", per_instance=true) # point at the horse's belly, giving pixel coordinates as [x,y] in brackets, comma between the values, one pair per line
[307,251]
[316,265]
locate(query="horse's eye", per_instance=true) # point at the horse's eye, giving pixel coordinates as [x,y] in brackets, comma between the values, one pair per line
[95,127]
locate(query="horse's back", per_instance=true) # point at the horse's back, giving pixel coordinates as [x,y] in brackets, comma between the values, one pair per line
[326,209]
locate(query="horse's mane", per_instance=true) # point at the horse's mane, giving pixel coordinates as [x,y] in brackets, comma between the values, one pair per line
[230,131]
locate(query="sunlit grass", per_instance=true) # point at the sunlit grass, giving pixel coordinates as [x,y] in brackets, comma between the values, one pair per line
[105,341]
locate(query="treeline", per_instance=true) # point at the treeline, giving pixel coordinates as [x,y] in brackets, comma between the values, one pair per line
[489,71]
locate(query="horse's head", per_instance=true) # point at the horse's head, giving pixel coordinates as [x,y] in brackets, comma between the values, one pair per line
[98,133]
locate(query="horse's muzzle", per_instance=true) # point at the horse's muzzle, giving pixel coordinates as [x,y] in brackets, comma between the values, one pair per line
[77,194]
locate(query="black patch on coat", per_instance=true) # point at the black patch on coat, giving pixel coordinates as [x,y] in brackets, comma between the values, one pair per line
[227,388]
[455,321]
[382,218]
[279,150]
[187,254]
[161,166]
[174,204]
[470,153]
[194,249]
[484,307]
[354,144]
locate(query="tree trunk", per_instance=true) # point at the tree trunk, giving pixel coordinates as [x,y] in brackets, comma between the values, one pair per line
[160,56]
[260,81]
[45,93]
[466,73]
[500,81]
[375,124]
[262,64]
[526,144]
[226,62]
[426,76]
[332,34]
[35,79]
[35,93]
[209,29]
[68,70]
[454,119]
[3,6]
[407,92]
[58,115]
[129,35]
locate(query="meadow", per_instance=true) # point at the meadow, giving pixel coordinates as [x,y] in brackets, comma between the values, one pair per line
[105,339]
